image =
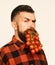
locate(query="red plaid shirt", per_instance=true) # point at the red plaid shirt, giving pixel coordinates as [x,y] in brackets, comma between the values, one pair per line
[14,53]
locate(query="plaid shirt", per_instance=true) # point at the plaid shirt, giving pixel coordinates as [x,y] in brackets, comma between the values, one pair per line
[14,53]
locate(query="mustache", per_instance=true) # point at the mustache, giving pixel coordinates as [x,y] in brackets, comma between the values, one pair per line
[32,30]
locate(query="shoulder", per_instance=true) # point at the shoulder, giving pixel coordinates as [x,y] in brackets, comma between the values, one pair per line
[4,52]
[42,53]
[6,48]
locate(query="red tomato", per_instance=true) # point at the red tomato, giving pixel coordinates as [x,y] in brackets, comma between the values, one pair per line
[37,38]
[27,36]
[40,47]
[33,42]
[28,39]
[33,51]
[36,42]
[36,49]
[28,43]
[31,46]
[37,34]
[32,39]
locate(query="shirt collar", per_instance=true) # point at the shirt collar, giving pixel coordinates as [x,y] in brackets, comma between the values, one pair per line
[17,42]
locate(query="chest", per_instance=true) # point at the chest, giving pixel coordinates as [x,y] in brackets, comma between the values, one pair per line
[22,58]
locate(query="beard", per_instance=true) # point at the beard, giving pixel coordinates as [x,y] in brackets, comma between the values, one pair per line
[33,44]
[22,36]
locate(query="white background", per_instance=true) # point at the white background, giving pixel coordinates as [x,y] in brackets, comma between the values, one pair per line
[45,15]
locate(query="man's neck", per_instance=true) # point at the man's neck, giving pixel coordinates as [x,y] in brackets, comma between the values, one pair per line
[17,37]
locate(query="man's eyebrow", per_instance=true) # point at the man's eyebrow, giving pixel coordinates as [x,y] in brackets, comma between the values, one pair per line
[27,18]
[30,19]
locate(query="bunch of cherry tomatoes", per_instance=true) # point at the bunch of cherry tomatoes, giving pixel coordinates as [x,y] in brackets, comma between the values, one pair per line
[32,41]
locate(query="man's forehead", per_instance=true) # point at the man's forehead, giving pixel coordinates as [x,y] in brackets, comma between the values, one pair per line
[27,15]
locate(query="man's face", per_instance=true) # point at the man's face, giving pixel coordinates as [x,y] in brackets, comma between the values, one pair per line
[25,21]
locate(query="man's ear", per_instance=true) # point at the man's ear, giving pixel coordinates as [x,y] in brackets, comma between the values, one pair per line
[14,25]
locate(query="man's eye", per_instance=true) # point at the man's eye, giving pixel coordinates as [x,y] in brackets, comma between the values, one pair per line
[33,21]
[25,21]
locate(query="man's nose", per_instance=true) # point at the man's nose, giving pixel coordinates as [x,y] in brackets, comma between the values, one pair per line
[31,24]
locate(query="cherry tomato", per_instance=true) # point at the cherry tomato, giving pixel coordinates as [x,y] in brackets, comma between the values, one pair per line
[28,43]
[33,42]
[33,51]
[27,36]
[37,38]
[40,48]
[36,42]
[36,49]
[31,46]
[37,34]
[28,39]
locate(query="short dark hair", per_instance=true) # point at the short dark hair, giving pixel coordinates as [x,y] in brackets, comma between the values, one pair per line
[21,8]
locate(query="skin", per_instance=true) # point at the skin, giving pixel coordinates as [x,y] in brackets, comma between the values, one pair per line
[22,22]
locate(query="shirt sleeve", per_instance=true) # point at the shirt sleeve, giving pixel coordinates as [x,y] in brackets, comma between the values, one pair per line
[1,63]
[45,59]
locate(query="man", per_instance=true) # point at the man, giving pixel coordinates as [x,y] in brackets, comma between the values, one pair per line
[17,52]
